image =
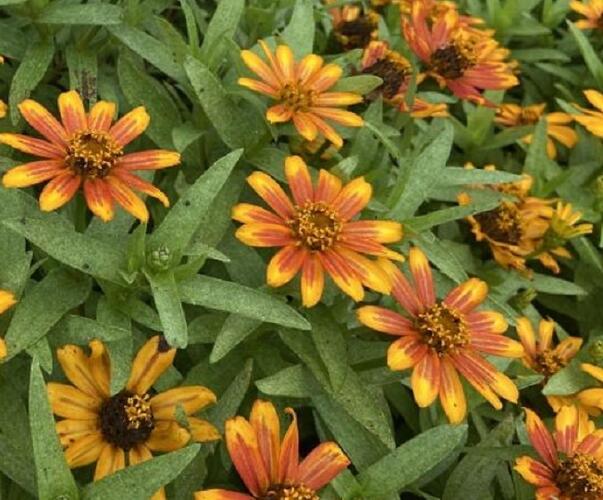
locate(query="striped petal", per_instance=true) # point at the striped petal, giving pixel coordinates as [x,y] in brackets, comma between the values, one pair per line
[111,459]
[69,402]
[533,471]
[405,353]
[128,200]
[305,125]
[279,113]
[191,399]
[32,173]
[353,198]
[299,180]
[265,235]
[289,454]
[568,348]
[135,182]
[375,230]
[341,116]
[101,116]
[371,275]
[329,99]
[248,214]
[130,126]
[422,276]
[474,375]
[42,120]
[452,395]
[152,159]
[73,114]
[385,321]
[486,322]
[425,379]
[325,78]
[369,247]
[76,367]
[592,444]
[70,431]
[497,345]
[322,465]
[328,187]
[167,436]
[342,274]
[308,67]
[269,190]
[85,450]
[35,147]
[325,129]
[312,280]
[402,290]
[98,198]
[285,265]
[221,495]
[60,190]
[153,358]
[260,68]
[467,296]
[265,422]
[541,438]
[566,429]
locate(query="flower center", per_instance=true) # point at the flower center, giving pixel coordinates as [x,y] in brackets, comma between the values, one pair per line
[502,224]
[289,492]
[548,363]
[393,71]
[126,419]
[580,477]
[452,60]
[528,116]
[296,98]
[316,225]
[357,33]
[92,154]
[442,328]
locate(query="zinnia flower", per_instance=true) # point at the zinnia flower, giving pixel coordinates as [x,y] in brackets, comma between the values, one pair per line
[592,120]
[354,27]
[396,72]
[86,151]
[300,89]
[513,115]
[588,400]
[541,356]
[271,467]
[592,10]
[7,300]
[458,56]
[570,461]
[317,232]
[126,427]
[443,338]
[564,222]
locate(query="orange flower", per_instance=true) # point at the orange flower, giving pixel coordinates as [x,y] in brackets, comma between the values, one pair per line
[112,429]
[444,338]
[301,91]
[513,115]
[353,26]
[86,151]
[271,467]
[317,232]
[396,72]
[464,59]
[540,355]
[570,461]
[592,10]
[7,300]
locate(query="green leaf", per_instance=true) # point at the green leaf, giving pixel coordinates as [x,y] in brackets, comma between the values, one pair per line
[537,158]
[83,71]
[223,25]
[54,477]
[589,54]
[360,84]
[42,307]
[458,176]
[299,33]
[94,14]
[234,331]
[231,297]
[141,481]
[89,255]
[566,381]
[182,222]
[29,73]
[555,286]
[412,460]
[437,217]
[228,117]
[169,307]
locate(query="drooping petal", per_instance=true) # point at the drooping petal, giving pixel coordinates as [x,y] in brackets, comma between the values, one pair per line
[77,369]
[405,353]
[312,280]
[322,465]
[305,125]
[202,431]
[42,120]
[328,188]
[130,126]
[111,459]
[329,99]
[353,198]
[285,265]
[497,345]
[258,86]
[70,430]
[73,114]
[269,190]
[289,454]
[85,450]
[32,173]
[154,357]
[135,182]
[69,402]
[341,116]
[422,276]
[249,214]
[152,159]
[101,116]
[526,334]
[60,190]
[167,436]
[385,321]
[342,274]
[541,439]
[266,424]
[191,399]
[452,395]
[128,200]
[467,296]
[98,198]
[425,379]
[32,146]
[299,180]
[325,129]
[265,235]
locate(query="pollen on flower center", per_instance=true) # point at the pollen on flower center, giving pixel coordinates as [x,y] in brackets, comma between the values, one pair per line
[548,363]
[581,477]
[442,328]
[289,492]
[296,98]
[502,224]
[92,154]
[451,61]
[126,419]
[358,32]
[392,71]
[316,225]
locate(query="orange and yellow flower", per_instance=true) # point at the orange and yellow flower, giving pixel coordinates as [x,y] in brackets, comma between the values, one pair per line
[570,461]
[317,233]
[591,119]
[459,56]
[592,10]
[513,115]
[86,151]
[541,356]
[354,27]
[443,338]
[269,466]
[300,89]
[396,72]
[7,300]
[115,429]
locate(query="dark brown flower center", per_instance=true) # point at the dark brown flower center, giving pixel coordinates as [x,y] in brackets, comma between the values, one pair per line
[126,419]
[357,33]
[502,224]
[548,363]
[451,61]
[393,72]
[442,328]
[296,98]
[316,225]
[580,477]
[92,154]
[289,492]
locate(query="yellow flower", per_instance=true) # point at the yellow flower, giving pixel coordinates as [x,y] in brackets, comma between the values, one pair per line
[123,428]
[592,10]
[7,300]
[300,89]
[513,115]
[564,222]
[592,120]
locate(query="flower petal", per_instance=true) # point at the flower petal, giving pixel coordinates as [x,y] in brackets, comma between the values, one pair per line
[128,200]
[202,431]
[76,367]
[7,300]
[248,214]
[422,276]
[467,296]
[266,424]
[69,402]
[70,430]
[258,86]
[541,438]
[425,379]
[371,275]
[341,116]
[35,147]
[325,78]
[308,67]
[305,125]
[592,444]
[452,395]
[342,274]
[279,113]
[299,180]
[60,190]
[376,230]
[265,235]
[152,159]
[167,436]
[328,99]
[260,68]
[100,364]
[269,190]
[98,198]
[329,186]
[191,398]
[466,367]
[568,348]
[312,280]
[154,357]
[353,198]
[385,321]
[42,120]
[497,345]
[325,129]
[405,353]
[111,459]
[286,62]
[285,265]
[221,495]
[73,114]
[533,471]
[289,454]
[566,430]
[402,290]
[486,322]
[593,371]
[85,450]
[322,465]
[135,182]
[32,173]
[526,334]
[130,126]
[101,116]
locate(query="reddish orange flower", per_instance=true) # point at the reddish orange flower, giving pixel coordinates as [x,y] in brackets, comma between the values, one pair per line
[570,461]
[443,338]
[592,10]
[396,72]
[301,91]
[7,300]
[463,58]
[86,151]
[317,233]
[271,467]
